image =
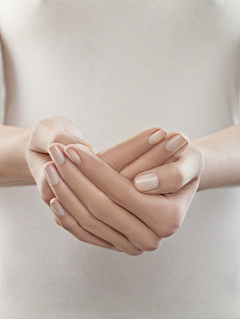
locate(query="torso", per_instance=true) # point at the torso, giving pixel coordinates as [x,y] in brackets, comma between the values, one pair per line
[115,68]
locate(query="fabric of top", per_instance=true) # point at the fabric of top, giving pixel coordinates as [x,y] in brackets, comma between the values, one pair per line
[114,68]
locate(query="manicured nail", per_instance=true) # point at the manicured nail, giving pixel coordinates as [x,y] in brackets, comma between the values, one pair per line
[57,207]
[52,174]
[156,137]
[146,182]
[181,149]
[73,155]
[175,142]
[56,154]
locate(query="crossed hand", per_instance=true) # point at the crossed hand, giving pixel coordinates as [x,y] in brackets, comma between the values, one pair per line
[127,197]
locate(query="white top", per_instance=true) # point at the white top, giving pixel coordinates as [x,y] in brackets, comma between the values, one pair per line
[2,89]
[114,68]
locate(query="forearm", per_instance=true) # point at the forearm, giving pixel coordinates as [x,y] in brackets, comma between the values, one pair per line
[13,165]
[222,158]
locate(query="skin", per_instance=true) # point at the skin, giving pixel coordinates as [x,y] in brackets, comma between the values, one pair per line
[219,149]
[126,232]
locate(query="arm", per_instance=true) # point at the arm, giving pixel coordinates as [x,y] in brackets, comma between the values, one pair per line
[14,170]
[222,158]
[23,151]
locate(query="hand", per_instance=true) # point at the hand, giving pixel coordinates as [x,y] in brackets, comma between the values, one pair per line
[172,176]
[47,131]
[135,232]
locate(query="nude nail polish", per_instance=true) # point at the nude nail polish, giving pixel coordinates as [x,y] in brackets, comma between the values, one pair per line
[52,174]
[156,137]
[147,182]
[56,154]
[57,207]
[175,142]
[74,157]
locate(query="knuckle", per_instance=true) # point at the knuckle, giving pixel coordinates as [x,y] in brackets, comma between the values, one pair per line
[134,252]
[114,161]
[128,172]
[171,221]
[155,157]
[96,170]
[151,245]
[121,192]
[179,176]
[80,237]
[171,229]
[172,226]
[92,225]
[99,205]
[69,177]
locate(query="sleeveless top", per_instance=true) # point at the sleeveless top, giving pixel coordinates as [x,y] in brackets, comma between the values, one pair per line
[115,68]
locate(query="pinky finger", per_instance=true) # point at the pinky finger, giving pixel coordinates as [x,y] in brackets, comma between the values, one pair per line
[64,219]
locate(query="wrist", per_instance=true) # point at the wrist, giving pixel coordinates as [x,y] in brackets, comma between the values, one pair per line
[14,169]
[222,155]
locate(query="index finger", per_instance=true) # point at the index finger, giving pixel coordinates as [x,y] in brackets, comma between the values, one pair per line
[123,153]
[157,155]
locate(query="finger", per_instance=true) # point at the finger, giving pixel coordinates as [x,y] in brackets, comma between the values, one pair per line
[78,211]
[156,156]
[182,198]
[37,161]
[180,203]
[170,177]
[54,129]
[120,155]
[175,156]
[66,221]
[99,204]
[54,217]
[120,190]
[46,131]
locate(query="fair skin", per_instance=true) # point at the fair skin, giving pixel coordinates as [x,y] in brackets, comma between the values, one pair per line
[85,204]
[137,231]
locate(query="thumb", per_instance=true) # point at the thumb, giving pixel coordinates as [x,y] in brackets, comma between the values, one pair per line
[171,177]
[54,129]
[45,132]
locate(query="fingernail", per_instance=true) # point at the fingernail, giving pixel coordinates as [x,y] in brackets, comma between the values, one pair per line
[73,155]
[156,137]
[56,154]
[146,182]
[52,174]
[179,152]
[57,207]
[175,142]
